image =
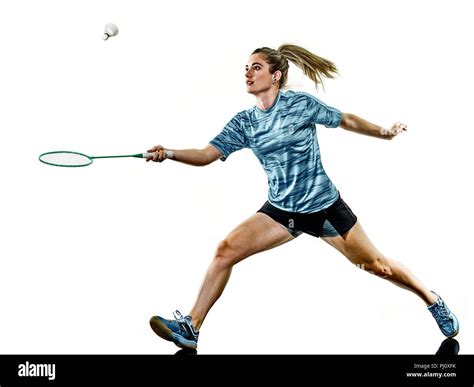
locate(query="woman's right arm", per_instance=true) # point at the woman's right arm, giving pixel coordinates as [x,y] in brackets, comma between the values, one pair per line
[196,157]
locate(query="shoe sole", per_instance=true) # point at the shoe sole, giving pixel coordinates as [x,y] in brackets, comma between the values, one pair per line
[165,333]
[160,329]
[453,335]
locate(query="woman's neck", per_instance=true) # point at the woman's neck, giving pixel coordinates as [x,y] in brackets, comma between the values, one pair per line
[267,99]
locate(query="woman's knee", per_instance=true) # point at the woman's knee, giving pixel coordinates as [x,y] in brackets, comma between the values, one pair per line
[227,253]
[379,266]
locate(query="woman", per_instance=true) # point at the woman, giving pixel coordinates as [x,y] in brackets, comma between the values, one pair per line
[280,130]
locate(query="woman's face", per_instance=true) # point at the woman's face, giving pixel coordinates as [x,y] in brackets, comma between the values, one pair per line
[257,75]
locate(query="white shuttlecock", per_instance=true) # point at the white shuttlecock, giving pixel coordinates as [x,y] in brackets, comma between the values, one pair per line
[110,30]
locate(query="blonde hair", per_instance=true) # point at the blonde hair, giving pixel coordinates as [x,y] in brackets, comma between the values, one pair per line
[313,66]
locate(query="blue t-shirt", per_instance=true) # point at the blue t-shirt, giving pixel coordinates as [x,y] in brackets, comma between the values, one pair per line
[284,139]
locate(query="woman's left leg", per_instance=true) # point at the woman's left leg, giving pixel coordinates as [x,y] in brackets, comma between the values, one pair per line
[357,247]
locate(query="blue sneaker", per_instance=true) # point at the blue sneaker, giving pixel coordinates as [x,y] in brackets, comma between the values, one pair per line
[447,321]
[180,330]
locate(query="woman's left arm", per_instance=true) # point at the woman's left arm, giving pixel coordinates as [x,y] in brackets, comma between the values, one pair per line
[356,124]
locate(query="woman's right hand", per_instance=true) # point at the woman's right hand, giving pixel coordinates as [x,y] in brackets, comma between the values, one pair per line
[197,157]
[159,154]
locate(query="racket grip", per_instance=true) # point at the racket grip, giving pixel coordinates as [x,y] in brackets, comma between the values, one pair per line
[169,154]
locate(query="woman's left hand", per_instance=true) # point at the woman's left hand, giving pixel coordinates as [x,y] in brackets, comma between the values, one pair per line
[396,128]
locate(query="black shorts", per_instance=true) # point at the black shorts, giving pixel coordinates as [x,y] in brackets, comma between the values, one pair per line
[335,220]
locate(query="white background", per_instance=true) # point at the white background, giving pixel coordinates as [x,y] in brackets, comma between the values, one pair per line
[87,255]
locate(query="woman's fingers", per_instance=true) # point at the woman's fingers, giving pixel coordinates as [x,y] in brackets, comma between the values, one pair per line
[158,154]
[397,128]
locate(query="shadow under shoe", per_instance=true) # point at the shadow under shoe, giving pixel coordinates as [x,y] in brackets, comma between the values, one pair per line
[449,347]
[186,352]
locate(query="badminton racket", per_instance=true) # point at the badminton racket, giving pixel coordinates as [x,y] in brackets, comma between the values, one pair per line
[76,159]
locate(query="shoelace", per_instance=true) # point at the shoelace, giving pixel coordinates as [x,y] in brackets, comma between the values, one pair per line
[177,315]
[443,313]
[184,324]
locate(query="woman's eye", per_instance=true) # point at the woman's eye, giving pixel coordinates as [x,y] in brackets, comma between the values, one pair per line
[256,68]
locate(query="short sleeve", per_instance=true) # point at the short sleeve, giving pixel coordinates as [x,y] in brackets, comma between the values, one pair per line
[231,138]
[322,114]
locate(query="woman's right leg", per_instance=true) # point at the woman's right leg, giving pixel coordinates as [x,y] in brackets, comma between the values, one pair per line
[258,233]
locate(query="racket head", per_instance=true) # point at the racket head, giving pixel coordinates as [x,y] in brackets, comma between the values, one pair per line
[66,159]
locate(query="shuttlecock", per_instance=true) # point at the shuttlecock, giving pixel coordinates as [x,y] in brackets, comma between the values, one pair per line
[110,30]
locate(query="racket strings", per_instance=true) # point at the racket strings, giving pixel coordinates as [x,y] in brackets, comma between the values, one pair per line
[66,159]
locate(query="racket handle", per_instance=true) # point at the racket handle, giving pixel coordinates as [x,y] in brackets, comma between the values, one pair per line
[169,154]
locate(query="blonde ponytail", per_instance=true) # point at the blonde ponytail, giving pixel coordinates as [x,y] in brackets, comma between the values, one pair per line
[313,66]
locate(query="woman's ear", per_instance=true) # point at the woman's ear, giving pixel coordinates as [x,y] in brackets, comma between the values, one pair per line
[277,75]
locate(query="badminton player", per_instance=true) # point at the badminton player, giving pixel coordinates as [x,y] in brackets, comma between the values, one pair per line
[280,130]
